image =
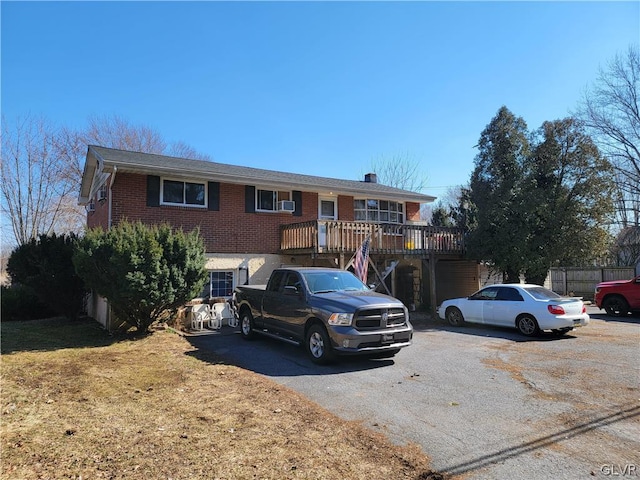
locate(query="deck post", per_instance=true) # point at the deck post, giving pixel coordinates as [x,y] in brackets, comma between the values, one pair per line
[432,283]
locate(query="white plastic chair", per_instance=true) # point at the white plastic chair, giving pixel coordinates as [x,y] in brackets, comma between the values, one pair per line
[200,314]
[231,314]
[217,312]
[234,316]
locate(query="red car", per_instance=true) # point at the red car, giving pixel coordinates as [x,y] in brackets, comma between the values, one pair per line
[620,297]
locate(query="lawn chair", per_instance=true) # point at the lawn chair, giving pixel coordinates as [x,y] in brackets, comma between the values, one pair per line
[217,315]
[232,313]
[223,313]
[200,315]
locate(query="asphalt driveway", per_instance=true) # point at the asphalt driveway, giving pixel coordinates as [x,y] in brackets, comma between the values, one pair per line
[483,402]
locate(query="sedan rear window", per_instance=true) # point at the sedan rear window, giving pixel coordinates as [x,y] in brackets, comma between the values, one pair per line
[541,293]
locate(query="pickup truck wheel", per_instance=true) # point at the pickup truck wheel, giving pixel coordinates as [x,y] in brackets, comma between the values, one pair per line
[246,325]
[615,306]
[319,345]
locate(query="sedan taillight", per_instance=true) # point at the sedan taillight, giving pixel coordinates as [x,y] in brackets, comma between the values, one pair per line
[555,309]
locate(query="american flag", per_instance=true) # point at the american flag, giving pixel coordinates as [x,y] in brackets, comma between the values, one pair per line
[361,263]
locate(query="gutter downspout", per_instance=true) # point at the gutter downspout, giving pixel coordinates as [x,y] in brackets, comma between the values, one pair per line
[111,180]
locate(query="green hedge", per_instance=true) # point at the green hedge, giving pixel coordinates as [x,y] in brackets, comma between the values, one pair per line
[21,303]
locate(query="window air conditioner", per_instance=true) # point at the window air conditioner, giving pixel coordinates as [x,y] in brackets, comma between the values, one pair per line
[286,206]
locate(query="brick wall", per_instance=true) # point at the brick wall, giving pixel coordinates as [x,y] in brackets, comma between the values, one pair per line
[100,216]
[345,208]
[412,211]
[229,230]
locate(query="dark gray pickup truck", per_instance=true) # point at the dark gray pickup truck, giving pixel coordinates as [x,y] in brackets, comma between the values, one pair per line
[328,310]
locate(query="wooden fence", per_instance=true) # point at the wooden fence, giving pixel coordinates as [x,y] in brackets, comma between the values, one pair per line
[574,281]
[582,282]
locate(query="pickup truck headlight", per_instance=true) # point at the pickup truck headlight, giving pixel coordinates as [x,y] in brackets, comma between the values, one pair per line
[340,319]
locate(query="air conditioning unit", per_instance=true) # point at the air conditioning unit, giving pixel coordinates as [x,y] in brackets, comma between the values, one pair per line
[286,206]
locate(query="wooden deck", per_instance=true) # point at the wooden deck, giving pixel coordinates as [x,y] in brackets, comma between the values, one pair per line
[335,236]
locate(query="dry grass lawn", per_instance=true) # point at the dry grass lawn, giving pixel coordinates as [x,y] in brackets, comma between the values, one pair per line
[79,404]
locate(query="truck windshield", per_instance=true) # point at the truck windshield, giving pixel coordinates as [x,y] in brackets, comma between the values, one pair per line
[323,282]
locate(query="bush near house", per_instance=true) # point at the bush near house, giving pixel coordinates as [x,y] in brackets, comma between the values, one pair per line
[143,271]
[21,303]
[44,268]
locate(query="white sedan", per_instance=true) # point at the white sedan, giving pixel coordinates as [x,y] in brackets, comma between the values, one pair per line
[529,308]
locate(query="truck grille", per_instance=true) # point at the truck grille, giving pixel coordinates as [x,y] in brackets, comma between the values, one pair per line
[380,318]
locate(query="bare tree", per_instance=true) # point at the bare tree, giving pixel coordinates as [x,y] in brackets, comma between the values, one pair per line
[36,190]
[626,249]
[182,150]
[72,151]
[444,212]
[117,132]
[611,112]
[400,171]
[42,168]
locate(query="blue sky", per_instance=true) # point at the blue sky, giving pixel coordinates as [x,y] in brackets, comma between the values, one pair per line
[322,88]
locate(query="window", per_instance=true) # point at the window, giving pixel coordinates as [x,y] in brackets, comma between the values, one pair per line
[383,211]
[293,280]
[267,200]
[220,284]
[274,281]
[508,293]
[175,192]
[489,293]
[328,209]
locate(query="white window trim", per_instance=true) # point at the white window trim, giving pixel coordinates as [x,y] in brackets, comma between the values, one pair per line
[275,204]
[327,199]
[234,280]
[403,204]
[183,204]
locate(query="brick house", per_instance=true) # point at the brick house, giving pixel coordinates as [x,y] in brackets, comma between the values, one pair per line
[254,220]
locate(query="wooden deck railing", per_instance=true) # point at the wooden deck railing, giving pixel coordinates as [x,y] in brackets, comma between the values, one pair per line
[334,236]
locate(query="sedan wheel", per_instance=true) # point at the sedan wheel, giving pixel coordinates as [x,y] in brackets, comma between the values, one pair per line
[527,325]
[319,345]
[454,316]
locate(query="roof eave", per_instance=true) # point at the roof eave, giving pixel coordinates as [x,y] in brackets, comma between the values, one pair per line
[359,189]
[365,189]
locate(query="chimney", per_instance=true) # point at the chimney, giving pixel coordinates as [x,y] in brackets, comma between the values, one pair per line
[371,178]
